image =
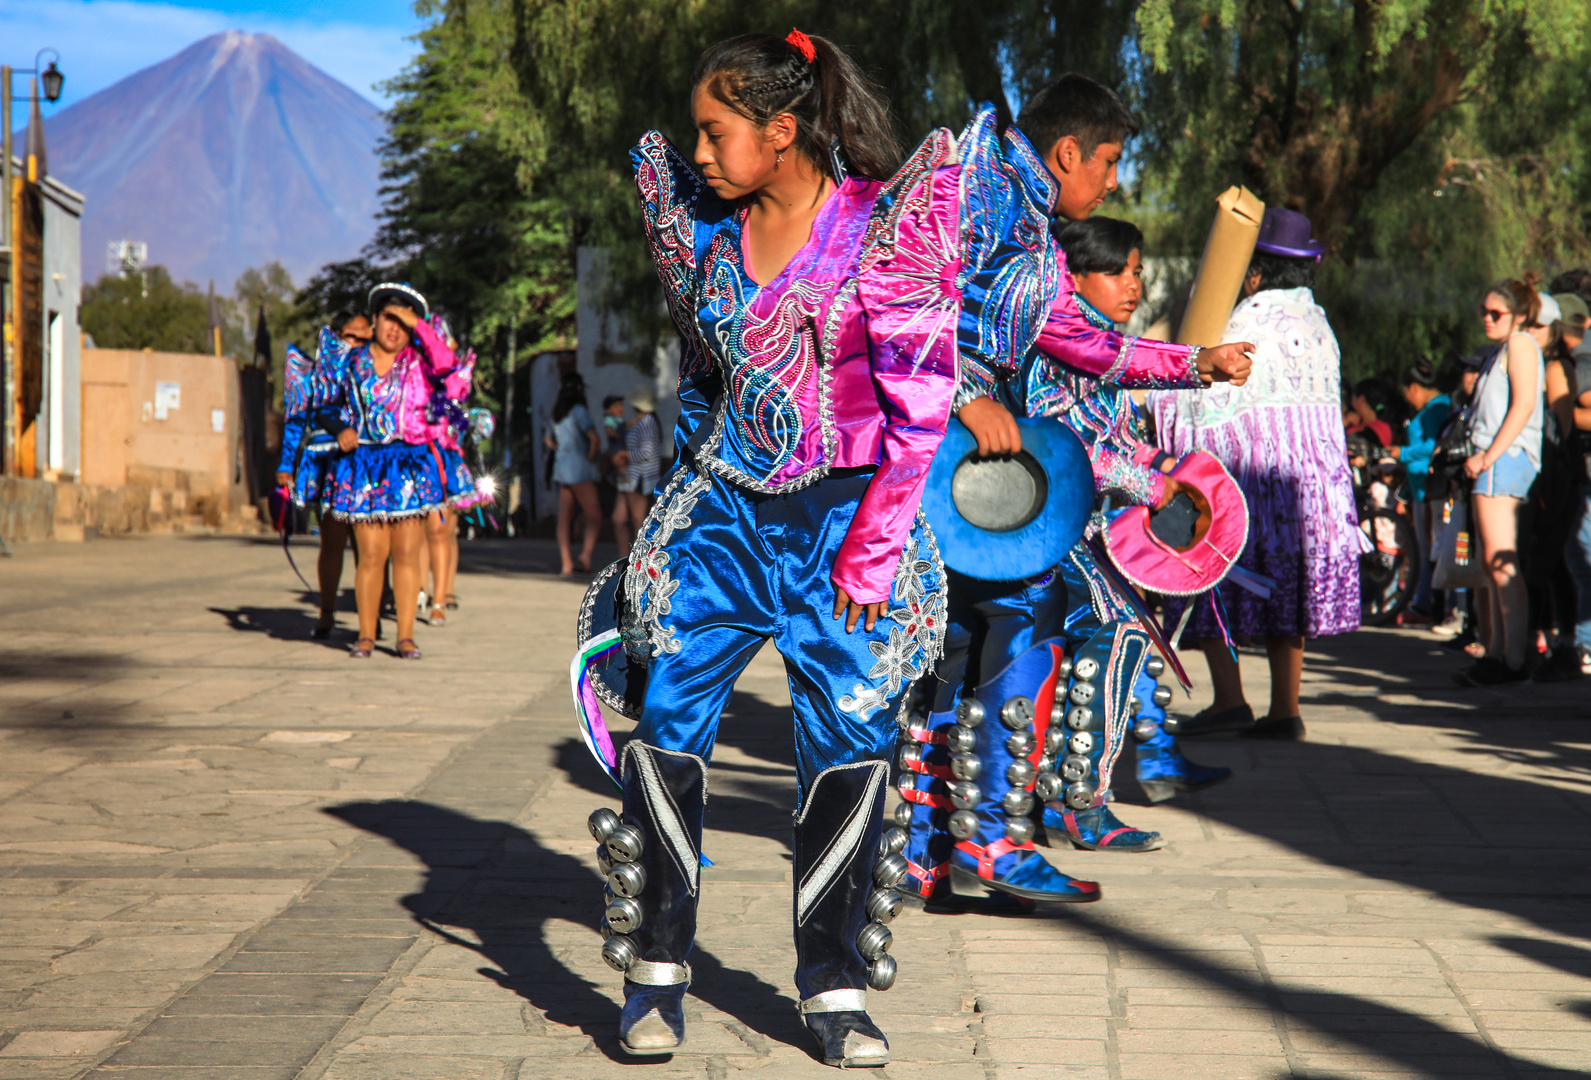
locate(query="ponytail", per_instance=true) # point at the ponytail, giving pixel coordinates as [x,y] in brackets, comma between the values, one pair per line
[835,105]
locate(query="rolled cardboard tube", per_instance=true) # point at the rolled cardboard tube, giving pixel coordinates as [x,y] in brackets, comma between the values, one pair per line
[1227,252]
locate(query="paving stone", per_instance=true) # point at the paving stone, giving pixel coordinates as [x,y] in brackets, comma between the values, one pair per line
[244,859]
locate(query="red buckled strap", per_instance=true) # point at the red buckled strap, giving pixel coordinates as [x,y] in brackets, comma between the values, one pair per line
[987,855]
[924,735]
[1044,704]
[941,772]
[923,798]
[927,875]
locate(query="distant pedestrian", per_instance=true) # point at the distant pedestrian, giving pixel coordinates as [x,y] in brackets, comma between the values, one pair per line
[643,465]
[1431,408]
[575,447]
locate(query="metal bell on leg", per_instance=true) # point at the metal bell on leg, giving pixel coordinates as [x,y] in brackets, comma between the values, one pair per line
[936,754]
[847,866]
[1162,770]
[1099,700]
[651,859]
[1007,721]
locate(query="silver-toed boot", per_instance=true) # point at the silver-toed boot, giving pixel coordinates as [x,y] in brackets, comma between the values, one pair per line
[652,860]
[845,870]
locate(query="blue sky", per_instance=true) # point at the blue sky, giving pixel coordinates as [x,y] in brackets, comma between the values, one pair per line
[360,42]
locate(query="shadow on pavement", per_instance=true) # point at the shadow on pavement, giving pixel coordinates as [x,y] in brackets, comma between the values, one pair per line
[283,624]
[1369,1027]
[499,882]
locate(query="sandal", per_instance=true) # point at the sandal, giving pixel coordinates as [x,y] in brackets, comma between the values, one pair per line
[411,653]
[323,629]
[360,650]
[438,616]
[452,602]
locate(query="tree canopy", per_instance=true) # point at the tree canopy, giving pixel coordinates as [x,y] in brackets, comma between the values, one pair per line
[1435,143]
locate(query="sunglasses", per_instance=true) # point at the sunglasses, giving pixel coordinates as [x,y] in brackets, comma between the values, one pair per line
[1494,314]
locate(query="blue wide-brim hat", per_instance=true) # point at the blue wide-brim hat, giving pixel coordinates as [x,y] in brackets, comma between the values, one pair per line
[618,675]
[1008,518]
[1287,232]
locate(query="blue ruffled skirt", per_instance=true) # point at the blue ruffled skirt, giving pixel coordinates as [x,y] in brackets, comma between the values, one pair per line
[389,481]
[315,459]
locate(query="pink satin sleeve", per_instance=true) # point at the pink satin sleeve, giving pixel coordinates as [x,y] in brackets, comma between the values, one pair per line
[434,359]
[1136,363]
[911,303]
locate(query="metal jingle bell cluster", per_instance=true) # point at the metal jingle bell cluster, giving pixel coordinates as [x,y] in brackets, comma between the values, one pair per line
[1146,728]
[883,904]
[619,848]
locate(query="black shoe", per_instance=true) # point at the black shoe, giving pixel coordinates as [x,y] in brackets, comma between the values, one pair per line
[1460,642]
[845,868]
[1206,722]
[1286,729]
[848,1039]
[1489,671]
[651,857]
[1564,664]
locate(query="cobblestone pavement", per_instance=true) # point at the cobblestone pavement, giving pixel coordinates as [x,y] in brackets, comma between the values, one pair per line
[228,852]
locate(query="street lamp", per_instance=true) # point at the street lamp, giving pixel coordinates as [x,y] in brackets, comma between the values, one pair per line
[52,80]
[10,287]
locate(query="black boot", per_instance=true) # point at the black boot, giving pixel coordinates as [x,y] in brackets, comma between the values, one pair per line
[652,860]
[843,902]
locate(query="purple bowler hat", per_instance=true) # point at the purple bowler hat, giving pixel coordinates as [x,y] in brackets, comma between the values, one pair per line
[1287,232]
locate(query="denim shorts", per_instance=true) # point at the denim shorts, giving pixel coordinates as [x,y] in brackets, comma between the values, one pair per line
[1510,475]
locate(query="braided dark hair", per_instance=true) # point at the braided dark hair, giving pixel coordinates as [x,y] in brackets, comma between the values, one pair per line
[761,76]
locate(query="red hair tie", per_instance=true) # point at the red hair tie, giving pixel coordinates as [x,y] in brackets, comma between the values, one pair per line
[802,45]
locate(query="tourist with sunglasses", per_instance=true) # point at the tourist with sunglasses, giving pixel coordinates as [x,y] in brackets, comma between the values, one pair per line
[1506,422]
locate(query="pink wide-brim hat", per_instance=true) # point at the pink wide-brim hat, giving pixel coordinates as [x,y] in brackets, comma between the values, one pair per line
[1152,564]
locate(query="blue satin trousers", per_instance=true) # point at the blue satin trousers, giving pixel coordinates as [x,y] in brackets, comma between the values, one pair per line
[718,570]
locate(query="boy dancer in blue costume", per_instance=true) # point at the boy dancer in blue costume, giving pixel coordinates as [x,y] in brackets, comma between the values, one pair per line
[1105,257]
[1032,701]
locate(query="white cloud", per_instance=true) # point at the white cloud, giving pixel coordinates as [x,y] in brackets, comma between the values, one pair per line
[104,41]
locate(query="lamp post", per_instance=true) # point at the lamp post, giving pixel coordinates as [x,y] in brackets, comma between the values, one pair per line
[11,298]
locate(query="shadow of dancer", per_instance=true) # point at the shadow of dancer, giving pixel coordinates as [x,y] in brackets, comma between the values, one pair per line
[501,883]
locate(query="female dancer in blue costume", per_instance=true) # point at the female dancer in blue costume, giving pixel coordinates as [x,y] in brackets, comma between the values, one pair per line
[307,453]
[816,307]
[994,740]
[375,400]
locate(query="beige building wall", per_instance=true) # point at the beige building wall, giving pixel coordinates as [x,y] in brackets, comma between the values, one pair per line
[164,420]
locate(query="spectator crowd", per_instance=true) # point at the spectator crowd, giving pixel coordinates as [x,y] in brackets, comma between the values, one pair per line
[1493,449]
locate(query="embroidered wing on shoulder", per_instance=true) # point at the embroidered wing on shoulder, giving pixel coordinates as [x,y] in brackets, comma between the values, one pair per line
[296,375]
[671,196]
[328,370]
[910,259]
[1011,271]
[907,192]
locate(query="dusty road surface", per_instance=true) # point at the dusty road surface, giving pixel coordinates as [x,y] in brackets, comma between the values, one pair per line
[228,852]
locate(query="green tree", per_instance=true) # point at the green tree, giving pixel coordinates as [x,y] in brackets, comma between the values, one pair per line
[146,310]
[268,288]
[1435,144]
